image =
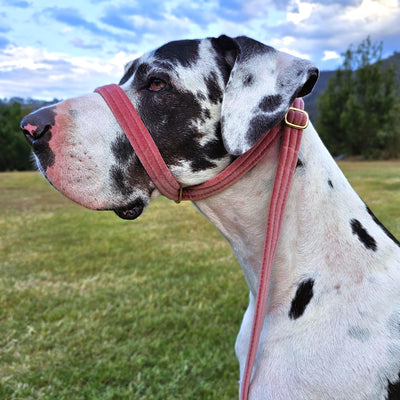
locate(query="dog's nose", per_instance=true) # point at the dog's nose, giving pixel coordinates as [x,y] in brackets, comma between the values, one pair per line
[37,124]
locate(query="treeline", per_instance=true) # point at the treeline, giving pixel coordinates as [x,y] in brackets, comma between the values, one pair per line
[15,153]
[358,112]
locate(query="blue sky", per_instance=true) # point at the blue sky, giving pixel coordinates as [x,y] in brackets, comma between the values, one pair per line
[64,49]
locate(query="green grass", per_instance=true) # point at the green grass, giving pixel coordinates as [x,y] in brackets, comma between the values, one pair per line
[378,184]
[93,307]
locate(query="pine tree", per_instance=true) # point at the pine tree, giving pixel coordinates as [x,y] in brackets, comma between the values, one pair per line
[359,111]
[15,153]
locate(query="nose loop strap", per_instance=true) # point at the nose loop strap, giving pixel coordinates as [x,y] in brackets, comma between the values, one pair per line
[140,139]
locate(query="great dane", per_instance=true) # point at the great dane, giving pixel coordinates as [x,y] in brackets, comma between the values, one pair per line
[332,326]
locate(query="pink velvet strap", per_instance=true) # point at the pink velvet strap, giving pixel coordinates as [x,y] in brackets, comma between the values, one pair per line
[286,167]
[295,121]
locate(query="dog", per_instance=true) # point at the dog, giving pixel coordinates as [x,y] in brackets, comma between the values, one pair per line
[332,326]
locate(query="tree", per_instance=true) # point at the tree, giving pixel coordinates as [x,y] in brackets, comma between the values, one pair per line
[359,113]
[15,153]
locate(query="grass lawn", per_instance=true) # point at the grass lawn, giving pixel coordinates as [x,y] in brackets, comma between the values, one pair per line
[94,307]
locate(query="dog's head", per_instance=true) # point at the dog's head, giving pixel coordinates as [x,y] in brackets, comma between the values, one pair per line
[203,101]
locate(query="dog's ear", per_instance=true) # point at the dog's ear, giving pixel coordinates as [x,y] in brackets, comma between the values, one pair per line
[128,65]
[262,85]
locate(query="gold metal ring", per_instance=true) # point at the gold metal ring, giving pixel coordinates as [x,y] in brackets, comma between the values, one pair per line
[179,195]
[294,125]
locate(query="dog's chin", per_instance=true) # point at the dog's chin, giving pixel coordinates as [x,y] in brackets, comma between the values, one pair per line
[131,211]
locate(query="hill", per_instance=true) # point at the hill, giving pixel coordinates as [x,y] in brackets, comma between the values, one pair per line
[28,104]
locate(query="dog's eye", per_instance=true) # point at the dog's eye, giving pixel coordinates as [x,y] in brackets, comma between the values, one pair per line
[157,84]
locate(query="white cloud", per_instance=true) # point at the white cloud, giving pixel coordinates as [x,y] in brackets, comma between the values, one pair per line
[88,47]
[32,72]
[372,9]
[333,25]
[287,44]
[301,13]
[14,57]
[330,55]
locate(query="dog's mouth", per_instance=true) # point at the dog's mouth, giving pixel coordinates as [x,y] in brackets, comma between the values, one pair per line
[131,211]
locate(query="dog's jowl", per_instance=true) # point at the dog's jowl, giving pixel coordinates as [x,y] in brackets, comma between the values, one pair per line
[332,326]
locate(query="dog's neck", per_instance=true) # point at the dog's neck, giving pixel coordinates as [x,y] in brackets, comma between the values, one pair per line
[321,206]
[240,214]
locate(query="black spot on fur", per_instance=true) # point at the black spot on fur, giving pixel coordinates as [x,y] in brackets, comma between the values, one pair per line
[213,88]
[73,113]
[394,390]
[173,121]
[200,164]
[299,164]
[388,233]
[141,73]
[184,52]
[303,296]
[118,180]
[248,80]
[215,149]
[330,183]
[359,333]
[260,124]
[201,96]
[206,113]
[270,103]
[365,238]
[122,149]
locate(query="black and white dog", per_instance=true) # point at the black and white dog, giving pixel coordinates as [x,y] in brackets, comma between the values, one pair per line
[332,328]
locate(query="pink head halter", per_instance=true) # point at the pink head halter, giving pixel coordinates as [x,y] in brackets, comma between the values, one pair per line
[296,120]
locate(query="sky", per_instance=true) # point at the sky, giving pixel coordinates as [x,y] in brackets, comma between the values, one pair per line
[63,49]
